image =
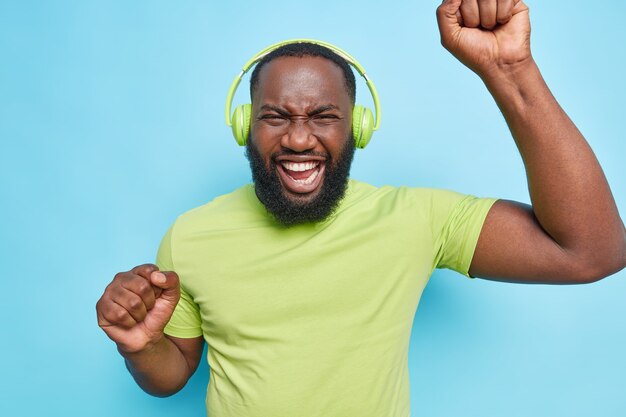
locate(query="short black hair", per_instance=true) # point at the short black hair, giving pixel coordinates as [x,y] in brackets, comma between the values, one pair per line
[302,49]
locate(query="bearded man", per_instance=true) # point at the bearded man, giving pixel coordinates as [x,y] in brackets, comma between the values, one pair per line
[304,284]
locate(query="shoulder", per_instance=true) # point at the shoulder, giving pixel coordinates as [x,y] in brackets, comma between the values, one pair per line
[224,202]
[219,212]
[361,191]
[389,198]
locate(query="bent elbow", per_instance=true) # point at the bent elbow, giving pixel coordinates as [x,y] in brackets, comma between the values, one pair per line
[161,393]
[597,270]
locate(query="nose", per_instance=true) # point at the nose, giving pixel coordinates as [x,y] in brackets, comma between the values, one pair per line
[299,137]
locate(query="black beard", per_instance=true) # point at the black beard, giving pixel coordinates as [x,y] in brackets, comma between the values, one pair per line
[288,211]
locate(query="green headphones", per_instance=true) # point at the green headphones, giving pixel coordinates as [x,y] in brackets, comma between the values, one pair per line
[363,123]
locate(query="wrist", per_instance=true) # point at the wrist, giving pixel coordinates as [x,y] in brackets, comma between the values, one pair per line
[517,72]
[131,352]
[516,87]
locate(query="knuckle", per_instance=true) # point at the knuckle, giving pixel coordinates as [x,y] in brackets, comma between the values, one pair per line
[133,282]
[121,316]
[110,289]
[143,287]
[145,268]
[101,307]
[104,302]
[99,314]
[112,316]
[135,303]
[505,18]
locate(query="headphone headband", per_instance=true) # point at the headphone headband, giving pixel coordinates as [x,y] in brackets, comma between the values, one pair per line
[259,56]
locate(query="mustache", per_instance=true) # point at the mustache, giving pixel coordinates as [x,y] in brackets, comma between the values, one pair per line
[287,152]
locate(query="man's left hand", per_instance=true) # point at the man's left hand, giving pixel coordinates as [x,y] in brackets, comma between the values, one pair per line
[486,35]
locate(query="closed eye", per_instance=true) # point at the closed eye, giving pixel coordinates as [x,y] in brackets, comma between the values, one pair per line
[273,119]
[325,119]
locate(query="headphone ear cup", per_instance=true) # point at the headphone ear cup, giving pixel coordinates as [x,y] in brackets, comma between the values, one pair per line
[240,123]
[362,126]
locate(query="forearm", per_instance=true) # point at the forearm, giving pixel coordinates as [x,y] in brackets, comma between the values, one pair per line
[160,370]
[570,195]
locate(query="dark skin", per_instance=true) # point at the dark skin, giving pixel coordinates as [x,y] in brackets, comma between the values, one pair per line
[572,234]
[133,312]
[301,106]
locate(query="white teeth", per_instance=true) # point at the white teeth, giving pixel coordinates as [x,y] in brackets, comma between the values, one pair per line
[299,166]
[307,181]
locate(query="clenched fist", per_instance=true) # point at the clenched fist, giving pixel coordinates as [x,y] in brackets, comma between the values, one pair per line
[136,306]
[486,35]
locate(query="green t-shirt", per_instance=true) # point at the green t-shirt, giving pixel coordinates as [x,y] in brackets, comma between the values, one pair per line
[314,320]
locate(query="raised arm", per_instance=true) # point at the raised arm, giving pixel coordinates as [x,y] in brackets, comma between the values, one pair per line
[572,233]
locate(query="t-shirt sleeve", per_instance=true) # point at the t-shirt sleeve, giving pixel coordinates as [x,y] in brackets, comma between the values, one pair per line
[456,222]
[185,321]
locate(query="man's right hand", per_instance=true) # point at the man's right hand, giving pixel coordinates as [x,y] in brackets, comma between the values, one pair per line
[136,306]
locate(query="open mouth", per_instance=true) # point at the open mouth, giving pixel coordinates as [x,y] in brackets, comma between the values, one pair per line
[301,176]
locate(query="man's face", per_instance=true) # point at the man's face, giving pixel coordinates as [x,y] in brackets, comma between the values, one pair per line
[300,146]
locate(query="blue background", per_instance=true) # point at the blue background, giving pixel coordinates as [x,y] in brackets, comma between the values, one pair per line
[111,124]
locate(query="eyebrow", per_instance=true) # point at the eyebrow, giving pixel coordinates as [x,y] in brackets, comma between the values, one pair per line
[283,112]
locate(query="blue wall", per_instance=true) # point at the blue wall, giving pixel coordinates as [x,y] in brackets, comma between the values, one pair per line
[111,124]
